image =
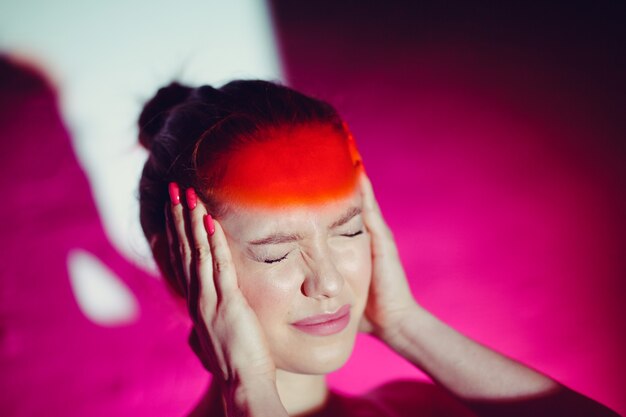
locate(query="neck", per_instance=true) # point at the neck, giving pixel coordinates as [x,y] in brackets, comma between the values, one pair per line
[300,394]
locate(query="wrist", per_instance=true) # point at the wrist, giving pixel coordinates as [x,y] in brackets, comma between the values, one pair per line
[252,395]
[400,333]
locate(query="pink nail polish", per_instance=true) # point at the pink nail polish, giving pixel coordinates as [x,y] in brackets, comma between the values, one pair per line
[174,193]
[209,225]
[192,198]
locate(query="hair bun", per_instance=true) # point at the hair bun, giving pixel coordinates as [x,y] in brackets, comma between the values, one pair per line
[156,110]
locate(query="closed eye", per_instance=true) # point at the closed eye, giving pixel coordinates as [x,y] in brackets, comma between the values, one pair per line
[353,234]
[272,261]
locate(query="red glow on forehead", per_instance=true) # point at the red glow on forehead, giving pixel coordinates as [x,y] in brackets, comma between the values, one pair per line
[309,164]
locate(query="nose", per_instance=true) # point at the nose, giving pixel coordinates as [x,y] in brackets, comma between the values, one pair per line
[322,279]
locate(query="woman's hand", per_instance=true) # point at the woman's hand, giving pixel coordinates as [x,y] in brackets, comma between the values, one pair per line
[487,381]
[226,335]
[390,301]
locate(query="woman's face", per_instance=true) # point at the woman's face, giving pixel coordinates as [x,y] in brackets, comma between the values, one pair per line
[305,271]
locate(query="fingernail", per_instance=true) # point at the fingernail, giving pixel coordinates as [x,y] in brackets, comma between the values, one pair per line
[174,193]
[192,198]
[209,225]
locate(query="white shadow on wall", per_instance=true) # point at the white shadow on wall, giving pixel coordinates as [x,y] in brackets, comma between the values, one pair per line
[107,59]
[100,294]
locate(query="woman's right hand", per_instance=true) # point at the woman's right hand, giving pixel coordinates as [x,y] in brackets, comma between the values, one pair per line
[227,335]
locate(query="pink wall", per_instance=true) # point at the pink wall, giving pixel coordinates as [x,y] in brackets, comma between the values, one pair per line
[495,141]
[54,361]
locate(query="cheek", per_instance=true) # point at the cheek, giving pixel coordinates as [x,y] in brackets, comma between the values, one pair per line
[354,262]
[269,292]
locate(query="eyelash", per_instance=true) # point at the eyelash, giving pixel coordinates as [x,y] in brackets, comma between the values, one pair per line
[353,234]
[273,261]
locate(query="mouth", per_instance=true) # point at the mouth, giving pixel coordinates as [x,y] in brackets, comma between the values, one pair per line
[325,324]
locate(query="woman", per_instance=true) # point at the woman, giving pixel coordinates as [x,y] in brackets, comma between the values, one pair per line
[259,213]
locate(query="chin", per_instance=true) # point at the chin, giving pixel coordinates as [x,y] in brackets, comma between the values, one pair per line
[317,356]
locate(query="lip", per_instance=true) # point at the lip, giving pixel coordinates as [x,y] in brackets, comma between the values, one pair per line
[325,324]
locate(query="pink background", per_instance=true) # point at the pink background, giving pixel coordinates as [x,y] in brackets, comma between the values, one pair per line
[495,141]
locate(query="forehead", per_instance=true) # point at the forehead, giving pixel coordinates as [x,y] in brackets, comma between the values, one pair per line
[247,220]
[295,166]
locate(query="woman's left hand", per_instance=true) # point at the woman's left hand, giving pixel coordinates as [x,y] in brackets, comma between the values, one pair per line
[390,300]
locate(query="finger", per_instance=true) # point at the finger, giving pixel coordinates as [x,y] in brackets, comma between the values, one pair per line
[383,243]
[372,214]
[181,232]
[174,255]
[203,296]
[225,276]
[202,299]
[367,191]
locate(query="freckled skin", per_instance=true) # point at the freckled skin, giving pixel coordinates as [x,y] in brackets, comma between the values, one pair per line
[323,271]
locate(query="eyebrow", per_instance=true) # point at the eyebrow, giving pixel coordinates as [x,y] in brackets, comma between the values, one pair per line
[352,212]
[277,238]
